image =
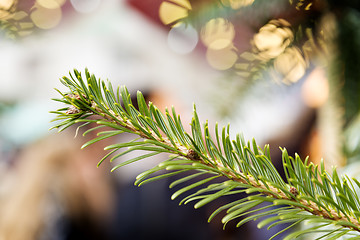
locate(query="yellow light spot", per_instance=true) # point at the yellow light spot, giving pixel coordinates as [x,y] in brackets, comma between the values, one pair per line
[217,33]
[242,66]
[221,59]
[51,4]
[291,65]
[248,56]
[5,8]
[19,15]
[184,3]
[315,90]
[243,74]
[6,4]
[46,18]
[26,25]
[236,4]
[172,12]
[308,6]
[272,39]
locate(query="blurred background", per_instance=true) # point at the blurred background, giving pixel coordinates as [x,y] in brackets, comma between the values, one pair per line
[284,72]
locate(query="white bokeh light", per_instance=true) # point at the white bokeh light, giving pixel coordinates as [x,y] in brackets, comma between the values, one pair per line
[85,6]
[182,38]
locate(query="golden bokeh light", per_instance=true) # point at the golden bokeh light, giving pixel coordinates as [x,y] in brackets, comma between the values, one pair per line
[248,56]
[19,15]
[25,27]
[5,8]
[51,4]
[237,4]
[6,4]
[171,12]
[46,18]
[184,3]
[218,33]
[222,59]
[21,25]
[272,39]
[315,90]
[291,65]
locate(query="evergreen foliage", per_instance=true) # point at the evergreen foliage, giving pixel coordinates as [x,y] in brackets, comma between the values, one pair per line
[308,194]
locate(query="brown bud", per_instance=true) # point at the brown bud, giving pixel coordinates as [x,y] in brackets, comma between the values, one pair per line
[72,110]
[192,155]
[294,191]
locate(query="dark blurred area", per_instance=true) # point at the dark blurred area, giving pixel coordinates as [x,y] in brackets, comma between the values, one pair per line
[283,72]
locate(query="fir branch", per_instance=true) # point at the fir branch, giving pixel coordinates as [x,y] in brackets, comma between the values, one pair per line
[309,193]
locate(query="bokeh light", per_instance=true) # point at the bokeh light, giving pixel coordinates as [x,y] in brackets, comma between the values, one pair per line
[5,6]
[172,12]
[291,65]
[85,6]
[46,18]
[236,4]
[272,39]
[315,90]
[182,38]
[218,33]
[222,59]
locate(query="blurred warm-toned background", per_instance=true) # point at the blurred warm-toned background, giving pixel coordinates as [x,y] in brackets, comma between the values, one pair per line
[283,72]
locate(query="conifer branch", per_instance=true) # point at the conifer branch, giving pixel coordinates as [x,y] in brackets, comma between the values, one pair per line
[308,194]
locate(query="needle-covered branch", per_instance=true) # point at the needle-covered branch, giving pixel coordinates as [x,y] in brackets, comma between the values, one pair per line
[308,193]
